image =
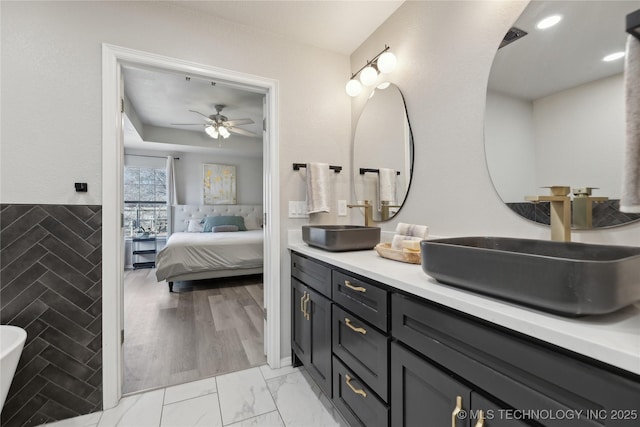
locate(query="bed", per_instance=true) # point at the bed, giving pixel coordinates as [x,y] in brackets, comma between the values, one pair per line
[194,255]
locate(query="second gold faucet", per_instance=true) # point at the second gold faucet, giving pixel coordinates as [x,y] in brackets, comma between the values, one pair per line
[368,212]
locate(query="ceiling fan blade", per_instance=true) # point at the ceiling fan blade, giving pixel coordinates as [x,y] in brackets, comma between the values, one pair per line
[241,132]
[237,122]
[188,124]
[198,112]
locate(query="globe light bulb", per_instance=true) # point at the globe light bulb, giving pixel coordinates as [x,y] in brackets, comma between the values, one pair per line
[353,87]
[368,76]
[387,62]
[224,132]
[211,131]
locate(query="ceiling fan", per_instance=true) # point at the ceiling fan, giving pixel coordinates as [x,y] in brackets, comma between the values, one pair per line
[217,125]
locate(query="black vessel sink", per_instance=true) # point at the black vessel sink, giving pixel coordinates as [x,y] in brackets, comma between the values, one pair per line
[340,238]
[565,278]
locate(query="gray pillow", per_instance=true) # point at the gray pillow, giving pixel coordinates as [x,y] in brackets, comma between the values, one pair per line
[222,228]
[214,221]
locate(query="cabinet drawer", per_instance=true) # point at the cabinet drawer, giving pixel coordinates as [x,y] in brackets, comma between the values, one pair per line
[357,403]
[361,297]
[363,349]
[312,274]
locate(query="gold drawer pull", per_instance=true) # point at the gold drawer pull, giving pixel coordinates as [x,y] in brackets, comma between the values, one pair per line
[302,302]
[456,411]
[307,315]
[354,288]
[359,391]
[480,422]
[347,322]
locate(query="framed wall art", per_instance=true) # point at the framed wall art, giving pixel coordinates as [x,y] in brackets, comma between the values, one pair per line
[219,184]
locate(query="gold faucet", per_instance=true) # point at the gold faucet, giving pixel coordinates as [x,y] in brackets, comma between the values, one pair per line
[560,211]
[368,212]
[583,206]
[385,212]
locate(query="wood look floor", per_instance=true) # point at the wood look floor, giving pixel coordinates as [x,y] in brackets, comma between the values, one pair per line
[204,328]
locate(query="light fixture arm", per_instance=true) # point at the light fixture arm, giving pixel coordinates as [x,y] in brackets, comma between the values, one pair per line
[371,62]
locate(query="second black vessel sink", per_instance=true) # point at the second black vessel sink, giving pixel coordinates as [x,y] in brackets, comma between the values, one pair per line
[340,238]
[565,278]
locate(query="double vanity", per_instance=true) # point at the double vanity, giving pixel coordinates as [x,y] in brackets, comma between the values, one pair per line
[391,346]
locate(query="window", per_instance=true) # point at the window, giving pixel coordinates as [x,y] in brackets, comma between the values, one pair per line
[145,201]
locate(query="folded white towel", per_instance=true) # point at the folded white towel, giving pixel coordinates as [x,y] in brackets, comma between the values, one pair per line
[396,242]
[421,231]
[386,186]
[630,200]
[318,187]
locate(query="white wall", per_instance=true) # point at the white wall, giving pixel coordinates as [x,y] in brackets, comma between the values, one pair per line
[584,128]
[510,146]
[51,96]
[445,51]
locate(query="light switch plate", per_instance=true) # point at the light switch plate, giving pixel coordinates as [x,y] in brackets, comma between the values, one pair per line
[298,209]
[342,208]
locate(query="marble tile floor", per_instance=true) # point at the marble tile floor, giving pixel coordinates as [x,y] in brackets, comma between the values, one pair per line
[259,396]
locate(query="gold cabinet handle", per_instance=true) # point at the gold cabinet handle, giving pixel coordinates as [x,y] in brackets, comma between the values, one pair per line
[354,288]
[361,392]
[347,322]
[480,422]
[307,315]
[456,411]
[302,302]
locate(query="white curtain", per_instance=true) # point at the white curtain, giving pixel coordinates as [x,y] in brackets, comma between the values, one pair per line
[172,198]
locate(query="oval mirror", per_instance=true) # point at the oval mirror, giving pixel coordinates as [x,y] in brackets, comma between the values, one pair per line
[555,110]
[383,152]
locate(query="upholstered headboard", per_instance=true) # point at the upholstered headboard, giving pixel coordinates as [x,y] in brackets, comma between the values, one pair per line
[183,213]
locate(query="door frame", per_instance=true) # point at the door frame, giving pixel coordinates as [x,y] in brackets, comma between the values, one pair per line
[112,192]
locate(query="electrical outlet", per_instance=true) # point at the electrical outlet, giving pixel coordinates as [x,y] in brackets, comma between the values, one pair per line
[298,209]
[342,208]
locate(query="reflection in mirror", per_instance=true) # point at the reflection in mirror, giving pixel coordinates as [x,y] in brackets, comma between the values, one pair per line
[383,152]
[555,111]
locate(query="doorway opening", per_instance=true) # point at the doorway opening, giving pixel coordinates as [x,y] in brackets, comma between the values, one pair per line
[114,59]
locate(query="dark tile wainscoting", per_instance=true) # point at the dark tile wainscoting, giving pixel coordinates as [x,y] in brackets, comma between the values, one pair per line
[51,285]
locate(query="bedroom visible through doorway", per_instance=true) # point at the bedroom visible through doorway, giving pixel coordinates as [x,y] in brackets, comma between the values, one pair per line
[194,308]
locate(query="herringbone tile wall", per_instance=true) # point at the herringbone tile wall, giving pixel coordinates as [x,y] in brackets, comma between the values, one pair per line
[50,275]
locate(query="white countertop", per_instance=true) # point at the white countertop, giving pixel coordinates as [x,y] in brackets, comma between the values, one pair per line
[613,338]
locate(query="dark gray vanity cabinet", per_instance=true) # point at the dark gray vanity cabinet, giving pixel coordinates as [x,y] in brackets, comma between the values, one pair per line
[361,350]
[340,334]
[311,322]
[511,378]
[387,358]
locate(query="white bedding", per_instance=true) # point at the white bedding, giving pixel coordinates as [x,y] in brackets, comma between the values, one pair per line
[199,252]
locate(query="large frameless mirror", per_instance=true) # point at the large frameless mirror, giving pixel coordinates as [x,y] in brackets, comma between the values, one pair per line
[383,152]
[555,110]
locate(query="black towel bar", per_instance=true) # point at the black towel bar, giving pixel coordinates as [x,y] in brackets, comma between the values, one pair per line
[297,166]
[365,170]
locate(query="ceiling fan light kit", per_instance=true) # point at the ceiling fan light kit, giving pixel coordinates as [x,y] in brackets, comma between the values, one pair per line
[218,126]
[383,62]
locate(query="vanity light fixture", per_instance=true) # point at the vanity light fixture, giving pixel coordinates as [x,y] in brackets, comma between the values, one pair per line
[384,62]
[548,22]
[613,56]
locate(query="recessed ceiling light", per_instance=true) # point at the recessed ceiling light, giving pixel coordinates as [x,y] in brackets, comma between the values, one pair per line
[613,56]
[549,21]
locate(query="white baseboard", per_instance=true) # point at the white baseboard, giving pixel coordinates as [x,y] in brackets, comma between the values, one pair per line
[285,361]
